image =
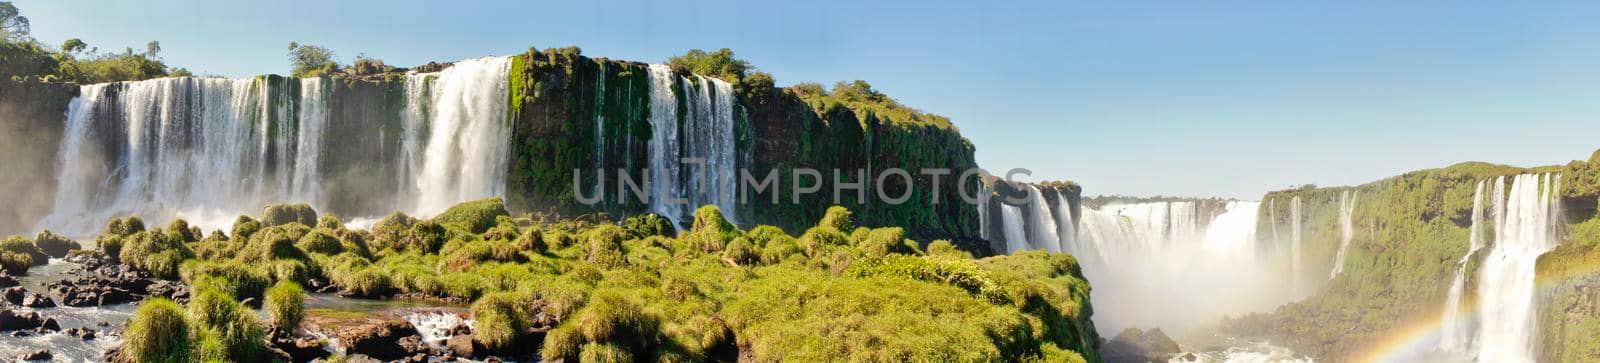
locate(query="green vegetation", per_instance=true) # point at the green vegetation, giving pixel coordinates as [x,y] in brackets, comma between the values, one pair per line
[22,57]
[604,291]
[720,64]
[308,60]
[158,333]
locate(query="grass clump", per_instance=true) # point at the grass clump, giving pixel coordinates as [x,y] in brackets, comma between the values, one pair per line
[476,216]
[158,332]
[285,305]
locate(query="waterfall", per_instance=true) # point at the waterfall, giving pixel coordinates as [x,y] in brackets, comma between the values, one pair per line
[600,128]
[210,149]
[1294,246]
[707,144]
[1523,230]
[1042,231]
[1015,232]
[1347,209]
[466,153]
[1167,265]
[1453,335]
[313,119]
[1065,224]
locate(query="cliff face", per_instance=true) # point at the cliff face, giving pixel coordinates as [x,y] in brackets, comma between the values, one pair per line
[30,130]
[1409,233]
[569,115]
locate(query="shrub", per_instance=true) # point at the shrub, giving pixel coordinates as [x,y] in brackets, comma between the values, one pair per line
[22,245]
[532,240]
[945,248]
[15,263]
[285,305]
[273,243]
[425,237]
[499,324]
[55,245]
[884,241]
[179,231]
[476,216]
[280,214]
[839,218]
[711,231]
[604,353]
[156,333]
[822,238]
[742,252]
[388,232]
[365,282]
[779,249]
[604,247]
[155,252]
[320,241]
[244,227]
[329,222]
[231,277]
[110,245]
[216,314]
[125,226]
[646,225]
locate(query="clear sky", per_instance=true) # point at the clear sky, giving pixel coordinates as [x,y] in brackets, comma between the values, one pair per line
[1193,98]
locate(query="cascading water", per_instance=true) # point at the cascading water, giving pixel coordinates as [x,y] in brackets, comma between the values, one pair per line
[1294,247]
[466,153]
[210,149]
[1143,257]
[707,144]
[1454,336]
[1014,227]
[1523,231]
[1042,231]
[1065,223]
[1347,209]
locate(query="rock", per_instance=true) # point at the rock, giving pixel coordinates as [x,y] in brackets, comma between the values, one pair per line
[39,355]
[297,348]
[33,300]
[379,339]
[50,324]
[463,346]
[11,320]
[14,295]
[85,333]
[7,280]
[460,329]
[361,358]
[22,333]
[1134,345]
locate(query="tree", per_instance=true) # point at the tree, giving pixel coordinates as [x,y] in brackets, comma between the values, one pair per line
[73,46]
[310,60]
[152,49]
[720,64]
[13,26]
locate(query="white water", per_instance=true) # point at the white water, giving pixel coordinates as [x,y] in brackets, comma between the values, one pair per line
[210,149]
[1042,231]
[1065,223]
[1164,265]
[466,153]
[1016,234]
[1347,209]
[1295,274]
[700,168]
[1522,232]
[1454,334]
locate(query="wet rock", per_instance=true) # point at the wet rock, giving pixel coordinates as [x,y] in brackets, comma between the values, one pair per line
[13,295]
[12,320]
[84,333]
[33,300]
[38,355]
[297,348]
[463,346]
[1134,345]
[7,280]
[358,358]
[460,329]
[379,339]
[22,334]
[50,324]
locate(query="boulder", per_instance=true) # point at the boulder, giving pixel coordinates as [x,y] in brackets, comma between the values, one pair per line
[33,300]
[38,355]
[12,320]
[378,339]
[463,346]
[7,280]
[1134,345]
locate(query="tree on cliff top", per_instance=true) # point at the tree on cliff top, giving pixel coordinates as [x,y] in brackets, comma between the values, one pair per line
[720,64]
[311,60]
[13,26]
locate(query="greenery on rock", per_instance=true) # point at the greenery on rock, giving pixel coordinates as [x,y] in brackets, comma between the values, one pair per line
[634,290]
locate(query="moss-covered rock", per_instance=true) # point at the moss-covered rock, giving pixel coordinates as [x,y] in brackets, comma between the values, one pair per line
[280,214]
[476,216]
[55,245]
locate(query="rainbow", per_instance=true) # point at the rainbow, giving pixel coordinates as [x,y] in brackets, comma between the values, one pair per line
[1416,338]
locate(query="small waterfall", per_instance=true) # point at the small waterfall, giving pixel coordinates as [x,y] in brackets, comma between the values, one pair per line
[706,129]
[1294,246]
[1454,334]
[466,154]
[413,133]
[1065,224]
[1042,230]
[600,128]
[313,119]
[1523,231]
[1347,209]
[1016,235]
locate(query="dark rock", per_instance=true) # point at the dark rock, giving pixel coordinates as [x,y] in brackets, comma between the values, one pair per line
[460,329]
[361,358]
[297,348]
[50,324]
[1134,345]
[7,280]
[85,333]
[33,300]
[22,333]
[378,339]
[463,346]
[11,320]
[39,355]
[13,295]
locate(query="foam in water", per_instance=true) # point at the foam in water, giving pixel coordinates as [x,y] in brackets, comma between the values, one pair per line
[1347,209]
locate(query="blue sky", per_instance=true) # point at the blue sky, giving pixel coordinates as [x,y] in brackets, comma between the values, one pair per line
[1213,98]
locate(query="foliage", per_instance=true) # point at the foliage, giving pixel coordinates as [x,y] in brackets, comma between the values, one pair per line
[308,61]
[280,214]
[476,216]
[720,64]
[285,304]
[158,332]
